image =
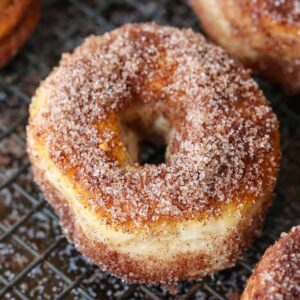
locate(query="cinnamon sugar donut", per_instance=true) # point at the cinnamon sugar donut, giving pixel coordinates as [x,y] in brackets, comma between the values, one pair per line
[277,275]
[263,34]
[17,22]
[190,216]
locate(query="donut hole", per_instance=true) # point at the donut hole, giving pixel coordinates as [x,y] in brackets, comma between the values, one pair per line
[145,136]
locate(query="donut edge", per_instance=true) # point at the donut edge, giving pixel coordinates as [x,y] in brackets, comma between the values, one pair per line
[274,68]
[11,44]
[255,289]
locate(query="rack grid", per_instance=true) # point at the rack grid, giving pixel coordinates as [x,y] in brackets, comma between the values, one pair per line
[36,261]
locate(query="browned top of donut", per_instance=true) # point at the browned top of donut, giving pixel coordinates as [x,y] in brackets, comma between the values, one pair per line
[277,275]
[224,142]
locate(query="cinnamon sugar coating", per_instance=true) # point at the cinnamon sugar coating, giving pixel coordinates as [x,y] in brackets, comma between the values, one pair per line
[277,275]
[189,217]
[286,11]
[223,146]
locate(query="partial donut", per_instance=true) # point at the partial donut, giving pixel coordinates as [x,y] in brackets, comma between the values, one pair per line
[17,22]
[263,34]
[11,15]
[190,216]
[277,275]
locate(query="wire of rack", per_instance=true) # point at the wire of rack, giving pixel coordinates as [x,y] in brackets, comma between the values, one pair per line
[36,261]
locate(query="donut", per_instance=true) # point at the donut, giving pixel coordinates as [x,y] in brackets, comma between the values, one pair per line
[277,275]
[263,34]
[187,217]
[17,22]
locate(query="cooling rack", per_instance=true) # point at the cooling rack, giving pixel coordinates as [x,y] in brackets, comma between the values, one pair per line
[36,261]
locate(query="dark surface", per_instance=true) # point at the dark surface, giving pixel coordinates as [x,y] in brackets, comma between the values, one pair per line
[35,260]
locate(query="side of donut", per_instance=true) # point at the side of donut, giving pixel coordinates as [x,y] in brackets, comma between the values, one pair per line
[262,39]
[16,26]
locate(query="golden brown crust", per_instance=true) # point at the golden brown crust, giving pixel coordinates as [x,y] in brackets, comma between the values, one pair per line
[277,275]
[262,34]
[16,27]
[4,4]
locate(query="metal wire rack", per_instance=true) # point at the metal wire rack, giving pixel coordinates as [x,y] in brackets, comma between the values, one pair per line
[36,261]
